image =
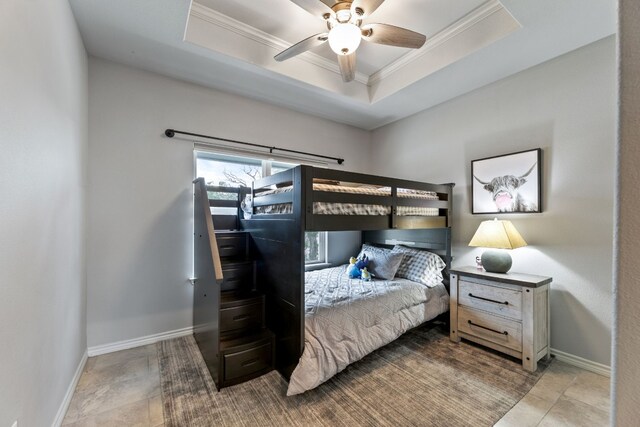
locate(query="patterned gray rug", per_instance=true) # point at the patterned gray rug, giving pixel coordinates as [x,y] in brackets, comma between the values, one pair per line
[421,379]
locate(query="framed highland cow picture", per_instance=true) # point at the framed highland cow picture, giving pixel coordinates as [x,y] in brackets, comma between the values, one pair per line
[507,184]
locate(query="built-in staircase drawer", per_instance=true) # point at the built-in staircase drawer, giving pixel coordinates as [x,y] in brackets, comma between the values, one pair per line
[234,245]
[243,317]
[247,362]
[238,276]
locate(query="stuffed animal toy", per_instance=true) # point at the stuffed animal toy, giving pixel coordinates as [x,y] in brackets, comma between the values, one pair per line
[362,262]
[366,276]
[352,270]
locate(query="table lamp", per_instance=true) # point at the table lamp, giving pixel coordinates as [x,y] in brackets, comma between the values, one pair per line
[497,235]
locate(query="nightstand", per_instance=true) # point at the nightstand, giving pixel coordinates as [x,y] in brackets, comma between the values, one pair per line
[506,312]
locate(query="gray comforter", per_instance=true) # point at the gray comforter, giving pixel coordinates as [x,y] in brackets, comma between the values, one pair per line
[346,319]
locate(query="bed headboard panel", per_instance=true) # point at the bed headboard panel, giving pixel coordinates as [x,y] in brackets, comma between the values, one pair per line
[437,240]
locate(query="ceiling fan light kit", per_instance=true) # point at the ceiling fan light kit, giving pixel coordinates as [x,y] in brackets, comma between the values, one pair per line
[344,38]
[344,21]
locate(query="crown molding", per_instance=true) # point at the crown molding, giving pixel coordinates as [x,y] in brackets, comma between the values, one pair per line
[240,28]
[460,26]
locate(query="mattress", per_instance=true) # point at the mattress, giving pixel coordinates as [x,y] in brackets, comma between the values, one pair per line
[346,319]
[328,208]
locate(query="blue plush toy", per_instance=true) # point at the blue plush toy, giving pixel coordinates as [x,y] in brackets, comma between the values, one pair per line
[356,266]
[362,262]
[353,271]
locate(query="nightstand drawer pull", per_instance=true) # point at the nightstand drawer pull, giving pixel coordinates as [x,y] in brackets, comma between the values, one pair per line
[490,300]
[488,329]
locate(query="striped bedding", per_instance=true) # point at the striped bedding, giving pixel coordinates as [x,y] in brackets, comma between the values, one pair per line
[327,208]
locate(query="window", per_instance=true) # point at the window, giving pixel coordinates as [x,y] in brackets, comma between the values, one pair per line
[280,167]
[228,171]
[235,171]
[315,247]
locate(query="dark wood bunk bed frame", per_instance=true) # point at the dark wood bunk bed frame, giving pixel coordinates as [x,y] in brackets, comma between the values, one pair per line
[277,245]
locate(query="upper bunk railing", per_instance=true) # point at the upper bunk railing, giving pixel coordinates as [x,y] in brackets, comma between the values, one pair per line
[281,179]
[227,197]
[297,191]
[305,176]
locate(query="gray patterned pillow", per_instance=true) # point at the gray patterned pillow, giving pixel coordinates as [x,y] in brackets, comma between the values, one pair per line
[383,263]
[420,266]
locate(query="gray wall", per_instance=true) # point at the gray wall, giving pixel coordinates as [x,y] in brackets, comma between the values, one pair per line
[567,107]
[626,391]
[140,203]
[43,143]
[342,246]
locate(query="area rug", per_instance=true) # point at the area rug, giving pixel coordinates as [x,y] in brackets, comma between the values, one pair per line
[421,379]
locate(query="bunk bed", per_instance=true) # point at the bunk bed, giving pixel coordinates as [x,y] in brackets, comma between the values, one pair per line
[391,213]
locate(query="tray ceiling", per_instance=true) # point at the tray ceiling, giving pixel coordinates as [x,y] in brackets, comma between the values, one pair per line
[286,21]
[230,44]
[256,31]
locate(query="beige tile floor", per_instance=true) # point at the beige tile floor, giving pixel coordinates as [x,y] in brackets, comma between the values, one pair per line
[123,389]
[118,389]
[564,396]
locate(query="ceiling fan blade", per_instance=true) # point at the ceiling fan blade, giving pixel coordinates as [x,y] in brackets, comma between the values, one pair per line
[393,36]
[314,7]
[366,6]
[347,66]
[303,46]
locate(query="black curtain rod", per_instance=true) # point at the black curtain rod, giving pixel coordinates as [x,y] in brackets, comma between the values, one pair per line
[172,132]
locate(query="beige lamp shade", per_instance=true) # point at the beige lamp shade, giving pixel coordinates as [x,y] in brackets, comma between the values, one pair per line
[497,234]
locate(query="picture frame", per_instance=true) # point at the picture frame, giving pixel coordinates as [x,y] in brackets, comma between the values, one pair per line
[508,183]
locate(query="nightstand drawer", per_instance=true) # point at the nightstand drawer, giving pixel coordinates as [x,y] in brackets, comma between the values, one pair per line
[502,301]
[505,332]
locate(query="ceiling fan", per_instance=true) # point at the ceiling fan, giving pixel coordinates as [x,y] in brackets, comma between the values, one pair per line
[346,30]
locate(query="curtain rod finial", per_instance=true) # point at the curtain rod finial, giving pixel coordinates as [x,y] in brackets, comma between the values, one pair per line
[340,161]
[170,133]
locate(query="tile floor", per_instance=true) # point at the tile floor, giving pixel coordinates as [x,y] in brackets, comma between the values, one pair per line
[123,389]
[564,396]
[118,389]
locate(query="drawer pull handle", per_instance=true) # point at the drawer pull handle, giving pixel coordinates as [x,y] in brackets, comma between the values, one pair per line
[488,329]
[241,317]
[490,300]
[250,361]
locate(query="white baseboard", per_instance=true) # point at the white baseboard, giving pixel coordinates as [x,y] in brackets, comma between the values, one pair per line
[62,410]
[138,342]
[579,362]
